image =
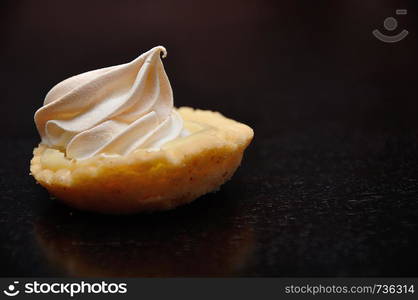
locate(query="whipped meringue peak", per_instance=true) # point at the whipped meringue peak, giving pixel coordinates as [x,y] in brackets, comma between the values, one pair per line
[111,111]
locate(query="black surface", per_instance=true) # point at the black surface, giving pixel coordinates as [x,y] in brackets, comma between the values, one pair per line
[329,186]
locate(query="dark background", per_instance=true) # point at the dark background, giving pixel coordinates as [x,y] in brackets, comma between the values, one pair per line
[329,186]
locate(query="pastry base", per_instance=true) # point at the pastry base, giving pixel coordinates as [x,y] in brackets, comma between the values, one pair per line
[181,171]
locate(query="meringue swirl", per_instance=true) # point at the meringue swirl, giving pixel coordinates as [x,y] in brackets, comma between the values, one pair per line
[111,111]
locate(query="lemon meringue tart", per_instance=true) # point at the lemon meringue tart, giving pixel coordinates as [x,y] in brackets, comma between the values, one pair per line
[112,141]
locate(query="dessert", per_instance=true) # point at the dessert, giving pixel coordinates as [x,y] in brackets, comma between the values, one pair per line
[112,141]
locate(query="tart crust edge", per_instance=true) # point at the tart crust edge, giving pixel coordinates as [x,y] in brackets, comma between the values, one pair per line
[180,172]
